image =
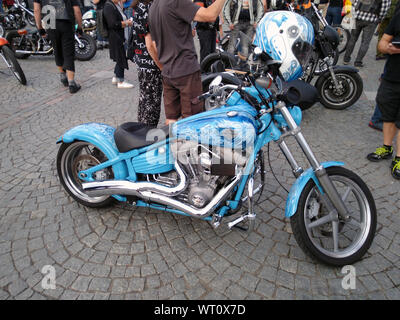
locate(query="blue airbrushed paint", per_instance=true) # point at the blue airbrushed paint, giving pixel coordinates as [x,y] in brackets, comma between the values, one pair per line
[102,136]
[297,188]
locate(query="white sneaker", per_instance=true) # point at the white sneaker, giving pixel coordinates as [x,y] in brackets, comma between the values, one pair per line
[124,85]
[114,80]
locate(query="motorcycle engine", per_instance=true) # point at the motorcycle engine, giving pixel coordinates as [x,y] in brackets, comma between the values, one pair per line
[207,168]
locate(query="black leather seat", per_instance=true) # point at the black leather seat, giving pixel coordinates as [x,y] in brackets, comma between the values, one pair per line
[133,135]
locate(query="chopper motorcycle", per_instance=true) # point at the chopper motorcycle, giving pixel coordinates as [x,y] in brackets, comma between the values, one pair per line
[25,43]
[206,166]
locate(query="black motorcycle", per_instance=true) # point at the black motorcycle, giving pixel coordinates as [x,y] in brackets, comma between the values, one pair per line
[25,43]
[13,19]
[339,86]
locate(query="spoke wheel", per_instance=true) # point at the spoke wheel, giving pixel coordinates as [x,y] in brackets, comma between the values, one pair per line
[13,64]
[321,232]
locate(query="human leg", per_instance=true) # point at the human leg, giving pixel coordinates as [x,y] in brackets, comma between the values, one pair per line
[354,35]
[368,33]
[190,88]
[172,101]
[150,85]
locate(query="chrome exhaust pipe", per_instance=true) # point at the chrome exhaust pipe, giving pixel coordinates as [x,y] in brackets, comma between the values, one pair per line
[158,193]
[124,187]
[192,211]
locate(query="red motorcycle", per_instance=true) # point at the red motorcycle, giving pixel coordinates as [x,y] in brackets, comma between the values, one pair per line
[12,63]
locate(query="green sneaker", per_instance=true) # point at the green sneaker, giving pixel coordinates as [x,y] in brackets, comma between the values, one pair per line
[395,168]
[380,154]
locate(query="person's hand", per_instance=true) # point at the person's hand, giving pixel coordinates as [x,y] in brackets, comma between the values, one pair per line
[128,22]
[79,32]
[42,33]
[231,26]
[391,49]
[255,26]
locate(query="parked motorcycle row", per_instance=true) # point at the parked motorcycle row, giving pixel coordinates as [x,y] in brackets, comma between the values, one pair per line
[22,43]
[211,165]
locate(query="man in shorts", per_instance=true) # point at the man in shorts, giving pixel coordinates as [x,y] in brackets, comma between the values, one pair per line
[170,44]
[388,97]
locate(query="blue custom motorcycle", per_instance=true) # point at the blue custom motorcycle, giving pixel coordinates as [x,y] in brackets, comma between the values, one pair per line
[206,166]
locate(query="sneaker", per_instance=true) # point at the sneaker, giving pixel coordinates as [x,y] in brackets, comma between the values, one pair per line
[380,153]
[114,80]
[358,64]
[395,168]
[74,88]
[375,126]
[124,85]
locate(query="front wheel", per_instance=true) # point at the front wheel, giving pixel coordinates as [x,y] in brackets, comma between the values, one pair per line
[345,94]
[13,64]
[338,242]
[75,157]
[86,49]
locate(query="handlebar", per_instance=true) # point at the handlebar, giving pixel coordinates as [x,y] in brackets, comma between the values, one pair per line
[218,91]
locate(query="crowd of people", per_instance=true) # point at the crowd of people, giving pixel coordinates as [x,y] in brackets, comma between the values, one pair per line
[157,35]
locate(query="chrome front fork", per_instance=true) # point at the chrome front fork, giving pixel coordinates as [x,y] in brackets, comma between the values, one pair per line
[329,190]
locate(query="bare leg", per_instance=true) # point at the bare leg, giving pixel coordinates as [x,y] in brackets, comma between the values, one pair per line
[398,143]
[389,131]
[70,75]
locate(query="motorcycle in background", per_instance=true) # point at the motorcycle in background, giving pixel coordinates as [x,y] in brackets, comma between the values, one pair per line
[12,63]
[25,43]
[89,24]
[13,19]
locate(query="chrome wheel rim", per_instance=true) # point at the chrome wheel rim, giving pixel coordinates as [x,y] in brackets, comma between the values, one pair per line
[338,239]
[79,156]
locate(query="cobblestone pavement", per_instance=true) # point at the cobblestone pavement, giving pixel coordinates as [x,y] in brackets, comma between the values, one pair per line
[123,253]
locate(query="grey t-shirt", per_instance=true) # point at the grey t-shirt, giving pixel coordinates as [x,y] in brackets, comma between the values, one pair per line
[170,27]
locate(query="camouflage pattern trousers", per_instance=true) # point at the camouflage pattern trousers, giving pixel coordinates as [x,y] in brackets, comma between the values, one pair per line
[150,84]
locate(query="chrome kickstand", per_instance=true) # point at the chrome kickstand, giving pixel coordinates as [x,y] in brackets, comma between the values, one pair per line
[250,216]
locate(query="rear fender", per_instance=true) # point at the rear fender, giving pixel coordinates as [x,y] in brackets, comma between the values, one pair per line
[297,188]
[102,136]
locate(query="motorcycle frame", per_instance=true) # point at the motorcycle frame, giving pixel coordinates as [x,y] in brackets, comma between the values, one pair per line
[271,129]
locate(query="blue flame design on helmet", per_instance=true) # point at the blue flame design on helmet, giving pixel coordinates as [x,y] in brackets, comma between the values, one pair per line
[276,35]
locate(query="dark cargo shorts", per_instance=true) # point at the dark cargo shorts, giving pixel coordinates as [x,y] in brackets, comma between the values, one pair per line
[180,96]
[388,100]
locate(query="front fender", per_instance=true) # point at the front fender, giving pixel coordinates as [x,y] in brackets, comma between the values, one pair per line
[341,68]
[102,136]
[297,188]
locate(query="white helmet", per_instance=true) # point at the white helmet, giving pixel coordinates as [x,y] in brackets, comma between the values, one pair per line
[288,37]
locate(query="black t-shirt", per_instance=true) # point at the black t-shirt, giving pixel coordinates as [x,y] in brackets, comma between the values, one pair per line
[171,29]
[206,25]
[336,3]
[63,8]
[392,68]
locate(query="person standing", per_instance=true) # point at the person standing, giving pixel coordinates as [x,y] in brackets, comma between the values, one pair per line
[382,27]
[388,98]
[117,26]
[150,80]
[334,12]
[323,6]
[170,44]
[242,16]
[206,32]
[1,6]
[101,41]
[61,33]
[367,18]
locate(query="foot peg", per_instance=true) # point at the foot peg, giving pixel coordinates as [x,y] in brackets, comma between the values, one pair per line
[246,217]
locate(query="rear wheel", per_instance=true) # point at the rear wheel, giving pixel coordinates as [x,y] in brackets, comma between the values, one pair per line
[13,64]
[336,242]
[77,156]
